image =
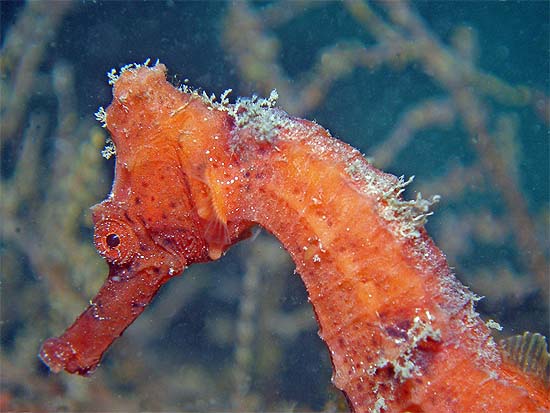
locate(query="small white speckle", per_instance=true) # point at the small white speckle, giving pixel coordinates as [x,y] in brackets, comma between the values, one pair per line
[493,324]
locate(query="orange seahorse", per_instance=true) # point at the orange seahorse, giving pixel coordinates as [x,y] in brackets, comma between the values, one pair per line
[193,176]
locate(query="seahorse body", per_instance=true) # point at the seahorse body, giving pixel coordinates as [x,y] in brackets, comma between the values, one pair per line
[192,178]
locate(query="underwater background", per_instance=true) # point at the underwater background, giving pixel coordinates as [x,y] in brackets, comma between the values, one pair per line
[445,91]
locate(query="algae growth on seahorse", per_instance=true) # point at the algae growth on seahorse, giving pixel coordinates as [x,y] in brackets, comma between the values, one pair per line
[194,176]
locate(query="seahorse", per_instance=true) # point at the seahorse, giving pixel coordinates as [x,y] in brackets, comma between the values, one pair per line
[193,176]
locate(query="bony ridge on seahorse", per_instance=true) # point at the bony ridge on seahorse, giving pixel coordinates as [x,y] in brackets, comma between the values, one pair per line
[193,176]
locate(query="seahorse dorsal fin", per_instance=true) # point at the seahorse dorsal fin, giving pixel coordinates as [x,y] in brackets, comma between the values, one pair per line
[529,351]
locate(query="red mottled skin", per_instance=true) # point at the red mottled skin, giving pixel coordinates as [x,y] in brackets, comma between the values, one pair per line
[191,179]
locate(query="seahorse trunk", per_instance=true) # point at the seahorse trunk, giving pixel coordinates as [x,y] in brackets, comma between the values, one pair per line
[402,331]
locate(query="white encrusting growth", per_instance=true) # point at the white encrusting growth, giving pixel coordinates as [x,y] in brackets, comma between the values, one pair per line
[224,101]
[493,324]
[101,116]
[259,116]
[403,365]
[407,217]
[113,75]
[380,405]
[109,149]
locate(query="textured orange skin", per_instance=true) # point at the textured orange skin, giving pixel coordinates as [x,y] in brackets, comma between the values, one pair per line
[190,183]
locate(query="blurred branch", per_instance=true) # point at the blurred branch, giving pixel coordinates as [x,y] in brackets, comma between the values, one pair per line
[23,51]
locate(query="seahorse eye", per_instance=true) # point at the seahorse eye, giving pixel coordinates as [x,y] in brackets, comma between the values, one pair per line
[115,240]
